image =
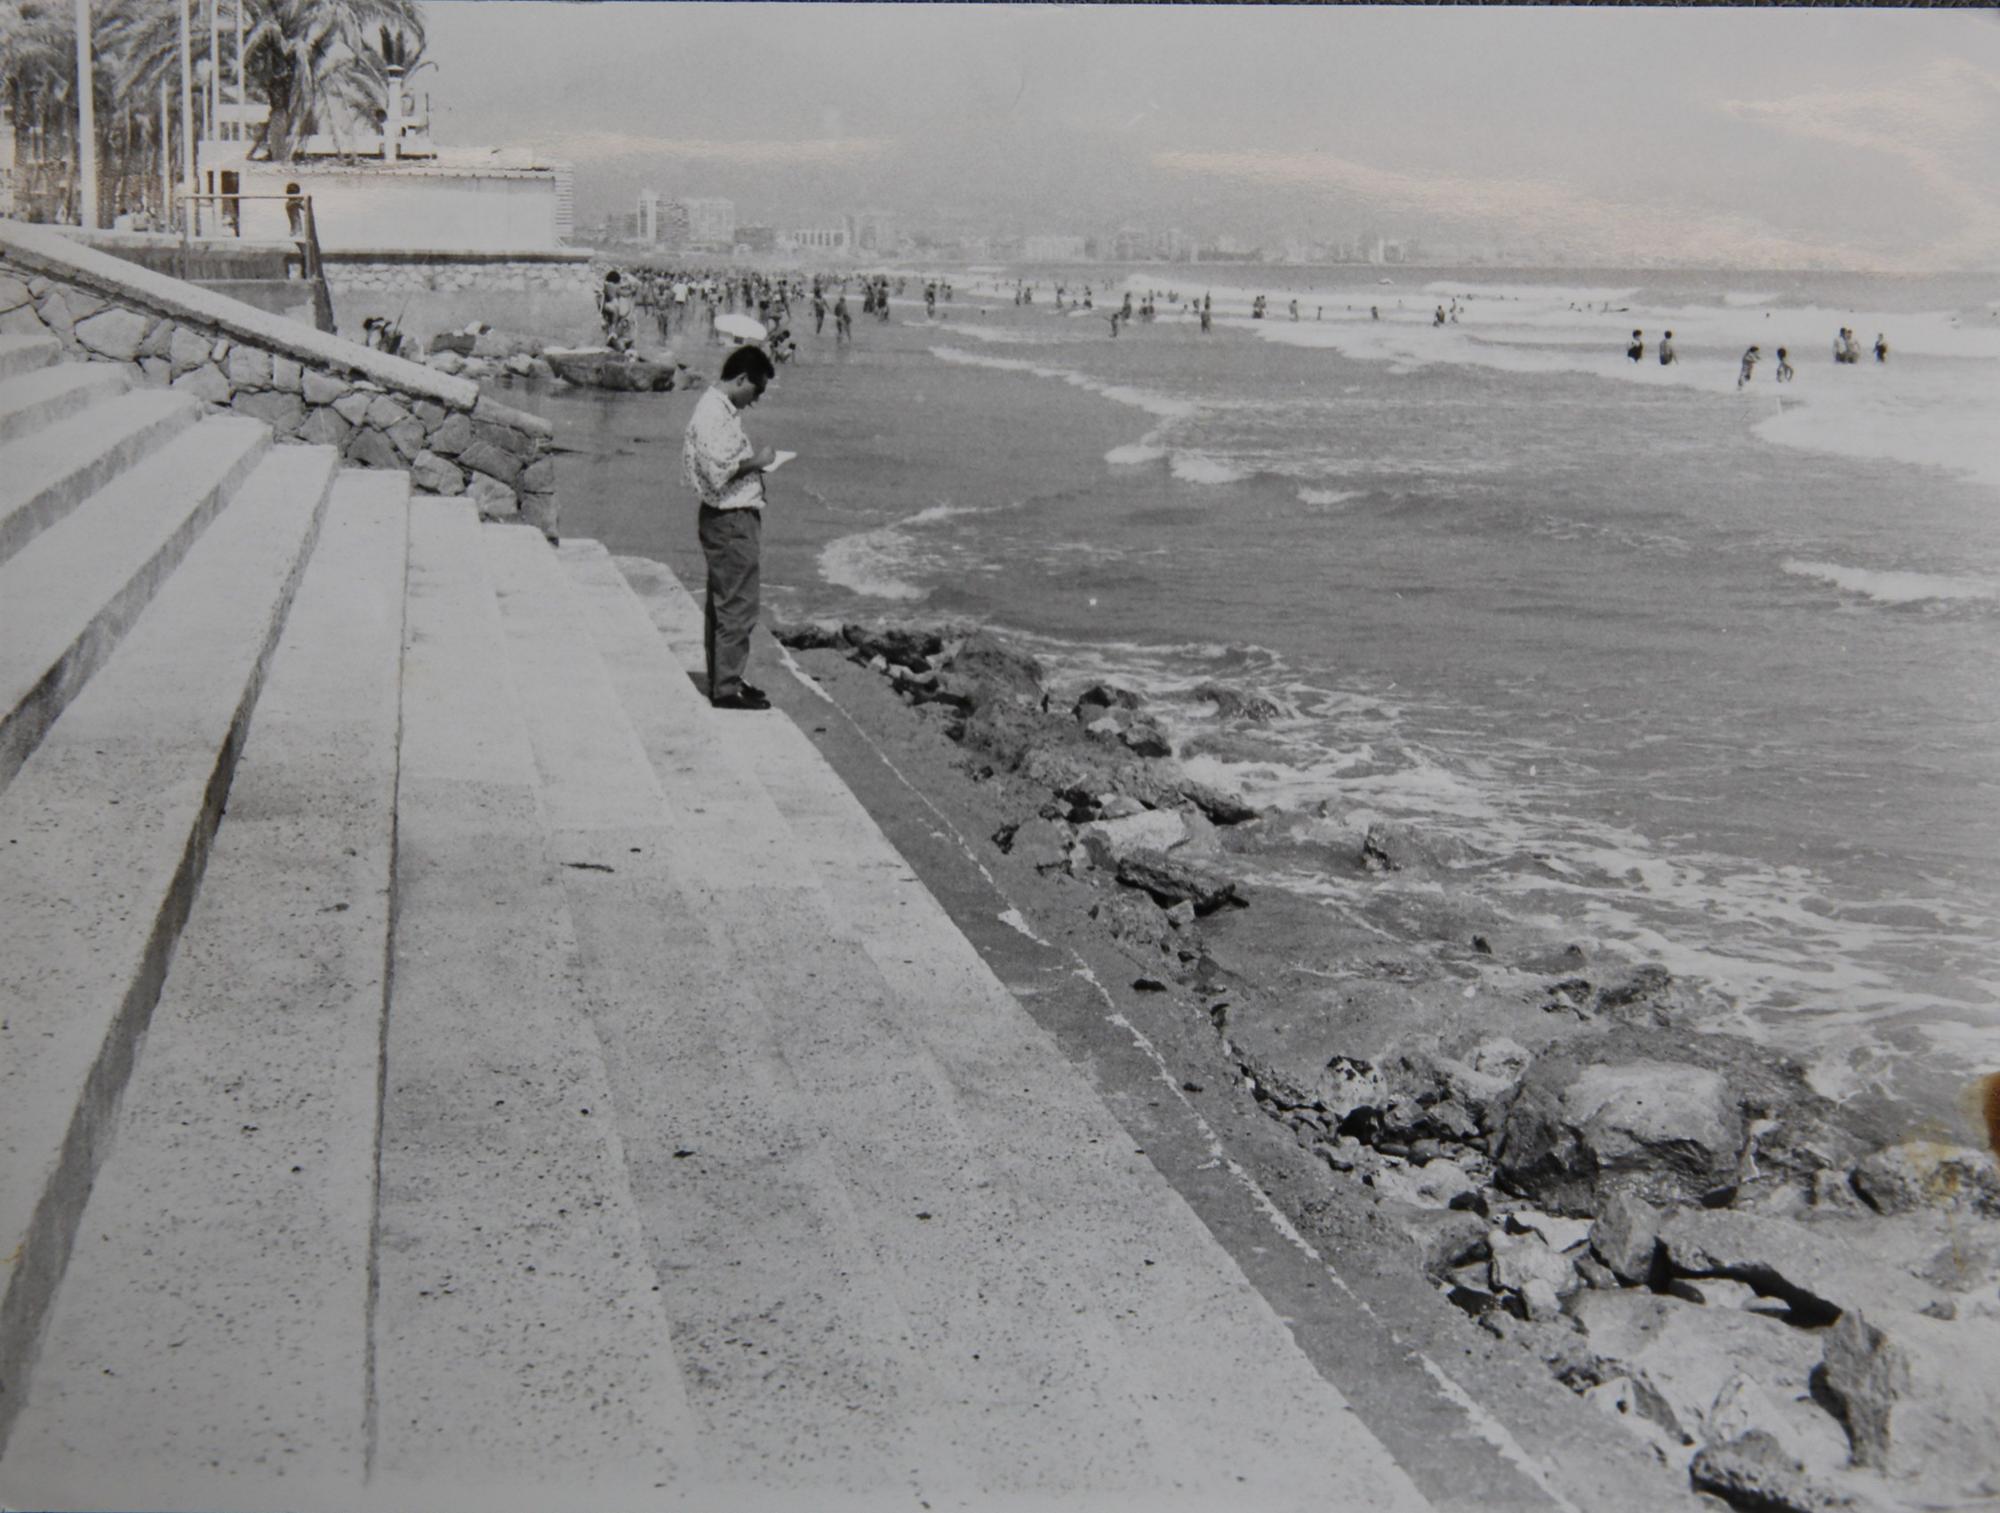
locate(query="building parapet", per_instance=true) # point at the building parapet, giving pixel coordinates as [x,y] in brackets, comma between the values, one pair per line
[378,410]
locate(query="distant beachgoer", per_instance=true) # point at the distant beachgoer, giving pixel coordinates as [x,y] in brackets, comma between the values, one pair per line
[1784,369]
[1374,312]
[1667,350]
[819,312]
[1881,347]
[1116,315]
[1845,347]
[1750,357]
[1636,349]
[1438,318]
[1204,318]
[843,320]
[1295,309]
[295,211]
[727,474]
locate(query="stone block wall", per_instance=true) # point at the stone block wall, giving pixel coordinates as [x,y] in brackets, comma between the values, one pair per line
[404,276]
[309,387]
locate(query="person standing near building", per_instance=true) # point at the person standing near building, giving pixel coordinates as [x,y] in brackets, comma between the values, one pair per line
[727,474]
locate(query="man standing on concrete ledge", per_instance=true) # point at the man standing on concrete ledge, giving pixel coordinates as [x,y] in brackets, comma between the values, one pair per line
[728,475]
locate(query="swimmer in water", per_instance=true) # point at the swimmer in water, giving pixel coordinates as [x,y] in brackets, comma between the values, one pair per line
[1784,371]
[1667,349]
[1637,347]
[1750,357]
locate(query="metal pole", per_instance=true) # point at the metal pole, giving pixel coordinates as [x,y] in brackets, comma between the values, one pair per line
[187,116]
[166,157]
[86,122]
[242,89]
[214,67]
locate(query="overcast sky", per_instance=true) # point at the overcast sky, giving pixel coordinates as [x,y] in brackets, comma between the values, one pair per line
[1753,137]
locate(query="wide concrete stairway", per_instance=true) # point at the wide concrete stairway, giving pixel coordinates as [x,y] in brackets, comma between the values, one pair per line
[447,1064]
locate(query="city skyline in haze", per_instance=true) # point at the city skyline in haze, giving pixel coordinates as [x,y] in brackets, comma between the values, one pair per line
[1756,138]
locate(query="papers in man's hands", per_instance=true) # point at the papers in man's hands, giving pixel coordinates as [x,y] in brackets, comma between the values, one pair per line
[780,460]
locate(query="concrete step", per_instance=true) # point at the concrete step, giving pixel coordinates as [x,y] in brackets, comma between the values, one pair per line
[75,589]
[49,473]
[208,1345]
[34,399]
[106,830]
[518,1336]
[802,1364]
[21,354]
[1053,1254]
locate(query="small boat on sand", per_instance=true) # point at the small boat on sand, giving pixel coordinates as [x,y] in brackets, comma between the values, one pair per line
[601,368]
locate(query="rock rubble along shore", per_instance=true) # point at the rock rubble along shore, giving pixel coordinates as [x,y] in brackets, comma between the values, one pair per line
[1794,1301]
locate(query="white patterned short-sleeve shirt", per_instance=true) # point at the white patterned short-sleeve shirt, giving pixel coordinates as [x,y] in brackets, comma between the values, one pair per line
[715,445]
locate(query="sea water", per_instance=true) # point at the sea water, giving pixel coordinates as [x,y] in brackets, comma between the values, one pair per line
[1708,674]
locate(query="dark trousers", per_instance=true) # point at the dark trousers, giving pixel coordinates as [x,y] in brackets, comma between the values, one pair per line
[731,541]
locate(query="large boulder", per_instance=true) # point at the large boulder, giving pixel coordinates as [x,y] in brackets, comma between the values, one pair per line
[1172,880]
[899,646]
[1690,1361]
[1239,704]
[1922,1174]
[1574,1133]
[1753,1470]
[1817,1269]
[1920,1398]
[985,670]
[1392,847]
[1108,842]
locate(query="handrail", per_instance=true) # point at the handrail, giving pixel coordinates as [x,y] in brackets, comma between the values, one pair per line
[305,237]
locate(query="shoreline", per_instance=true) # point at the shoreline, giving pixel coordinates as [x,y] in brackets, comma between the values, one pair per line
[1570,1158]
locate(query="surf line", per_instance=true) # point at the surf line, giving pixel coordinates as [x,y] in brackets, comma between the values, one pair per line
[1484,1424]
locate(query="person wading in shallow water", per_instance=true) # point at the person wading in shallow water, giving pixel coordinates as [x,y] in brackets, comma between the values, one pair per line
[728,474]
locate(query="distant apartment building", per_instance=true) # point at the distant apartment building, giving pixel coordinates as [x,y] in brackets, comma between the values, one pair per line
[757,238]
[649,216]
[874,231]
[711,223]
[819,238]
[1173,244]
[1053,249]
[1130,245]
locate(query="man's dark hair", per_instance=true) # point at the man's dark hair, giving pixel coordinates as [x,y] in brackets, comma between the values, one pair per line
[753,363]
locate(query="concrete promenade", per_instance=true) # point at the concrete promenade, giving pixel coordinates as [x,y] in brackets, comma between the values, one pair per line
[444,1063]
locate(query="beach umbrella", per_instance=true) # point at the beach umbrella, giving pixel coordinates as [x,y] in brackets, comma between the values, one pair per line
[742,327]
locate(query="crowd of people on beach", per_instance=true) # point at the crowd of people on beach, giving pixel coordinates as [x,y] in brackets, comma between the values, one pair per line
[670,302]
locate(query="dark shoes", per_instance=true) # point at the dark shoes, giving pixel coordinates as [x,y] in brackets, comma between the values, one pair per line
[746,698]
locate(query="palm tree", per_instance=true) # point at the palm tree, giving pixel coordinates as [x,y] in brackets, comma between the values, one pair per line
[309,60]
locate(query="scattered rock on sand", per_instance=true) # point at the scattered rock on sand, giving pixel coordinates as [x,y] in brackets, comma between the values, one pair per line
[1171,880]
[1921,1174]
[1920,1398]
[1108,841]
[1753,1471]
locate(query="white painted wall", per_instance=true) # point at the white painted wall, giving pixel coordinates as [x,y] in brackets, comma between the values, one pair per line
[415,209]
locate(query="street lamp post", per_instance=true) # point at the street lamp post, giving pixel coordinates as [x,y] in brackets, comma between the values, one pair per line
[86,122]
[187,117]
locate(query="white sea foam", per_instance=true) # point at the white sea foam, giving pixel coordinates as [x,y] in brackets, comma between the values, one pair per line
[1199,467]
[1890,587]
[1134,453]
[1327,496]
[868,563]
